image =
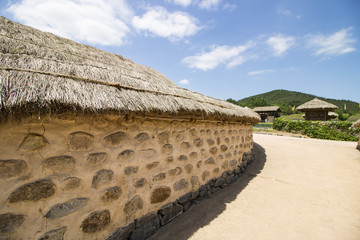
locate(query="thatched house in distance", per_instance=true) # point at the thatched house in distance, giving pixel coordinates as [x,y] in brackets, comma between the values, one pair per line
[268,114]
[317,110]
[332,115]
[95,146]
[357,125]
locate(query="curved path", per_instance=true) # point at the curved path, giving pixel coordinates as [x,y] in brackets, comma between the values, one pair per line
[296,189]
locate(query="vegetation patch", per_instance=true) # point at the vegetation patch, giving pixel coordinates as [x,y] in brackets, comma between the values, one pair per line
[354,117]
[263,125]
[331,130]
[294,116]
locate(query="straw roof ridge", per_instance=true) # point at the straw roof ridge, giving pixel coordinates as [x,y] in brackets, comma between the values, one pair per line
[317,104]
[267,109]
[108,84]
[87,64]
[40,71]
[85,54]
[80,64]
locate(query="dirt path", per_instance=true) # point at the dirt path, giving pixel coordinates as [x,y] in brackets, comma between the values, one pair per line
[295,189]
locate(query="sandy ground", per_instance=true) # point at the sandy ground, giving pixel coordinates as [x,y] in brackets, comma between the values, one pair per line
[296,189]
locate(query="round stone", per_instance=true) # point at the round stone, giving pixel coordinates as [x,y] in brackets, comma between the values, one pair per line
[12,168]
[96,221]
[160,194]
[33,191]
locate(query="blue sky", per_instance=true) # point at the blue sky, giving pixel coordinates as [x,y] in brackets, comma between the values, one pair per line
[224,49]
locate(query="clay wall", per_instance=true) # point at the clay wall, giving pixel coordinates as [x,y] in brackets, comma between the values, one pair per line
[85,177]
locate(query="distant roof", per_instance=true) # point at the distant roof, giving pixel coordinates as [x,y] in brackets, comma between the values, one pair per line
[332,114]
[316,104]
[267,109]
[42,72]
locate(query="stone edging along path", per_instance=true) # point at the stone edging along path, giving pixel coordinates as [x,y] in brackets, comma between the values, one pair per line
[144,227]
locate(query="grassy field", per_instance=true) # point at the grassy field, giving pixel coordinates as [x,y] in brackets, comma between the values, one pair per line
[263,125]
[354,118]
[294,116]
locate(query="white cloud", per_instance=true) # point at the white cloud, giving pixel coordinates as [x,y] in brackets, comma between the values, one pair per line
[218,55]
[288,13]
[230,7]
[338,43]
[280,43]
[184,82]
[184,3]
[174,26]
[101,22]
[203,4]
[236,61]
[261,72]
[209,4]
[284,12]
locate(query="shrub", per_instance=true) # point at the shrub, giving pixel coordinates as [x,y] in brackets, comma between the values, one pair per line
[280,123]
[341,131]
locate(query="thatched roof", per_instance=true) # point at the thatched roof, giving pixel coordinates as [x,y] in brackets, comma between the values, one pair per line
[41,72]
[333,114]
[356,124]
[316,104]
[267,109]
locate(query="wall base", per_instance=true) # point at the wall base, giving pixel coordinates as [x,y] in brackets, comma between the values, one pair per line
[144,227]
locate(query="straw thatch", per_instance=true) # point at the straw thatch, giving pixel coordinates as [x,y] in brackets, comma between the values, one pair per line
[332,114]
[267,109]
[316,104]
[41,72]
[356,124]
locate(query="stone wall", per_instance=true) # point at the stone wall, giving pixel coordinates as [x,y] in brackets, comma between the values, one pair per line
[86,177]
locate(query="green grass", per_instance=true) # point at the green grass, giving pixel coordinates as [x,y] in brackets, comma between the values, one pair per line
[264,130]
[263,125]
[294,116]
[354,118]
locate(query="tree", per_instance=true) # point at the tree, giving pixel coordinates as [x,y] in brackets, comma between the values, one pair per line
[230,100]
[286,110]
[256,102]
[341,117]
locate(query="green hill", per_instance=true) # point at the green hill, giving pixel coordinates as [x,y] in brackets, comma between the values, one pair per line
[287,99]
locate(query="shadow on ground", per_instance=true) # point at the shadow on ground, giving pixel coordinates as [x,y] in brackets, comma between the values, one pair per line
[202,214]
